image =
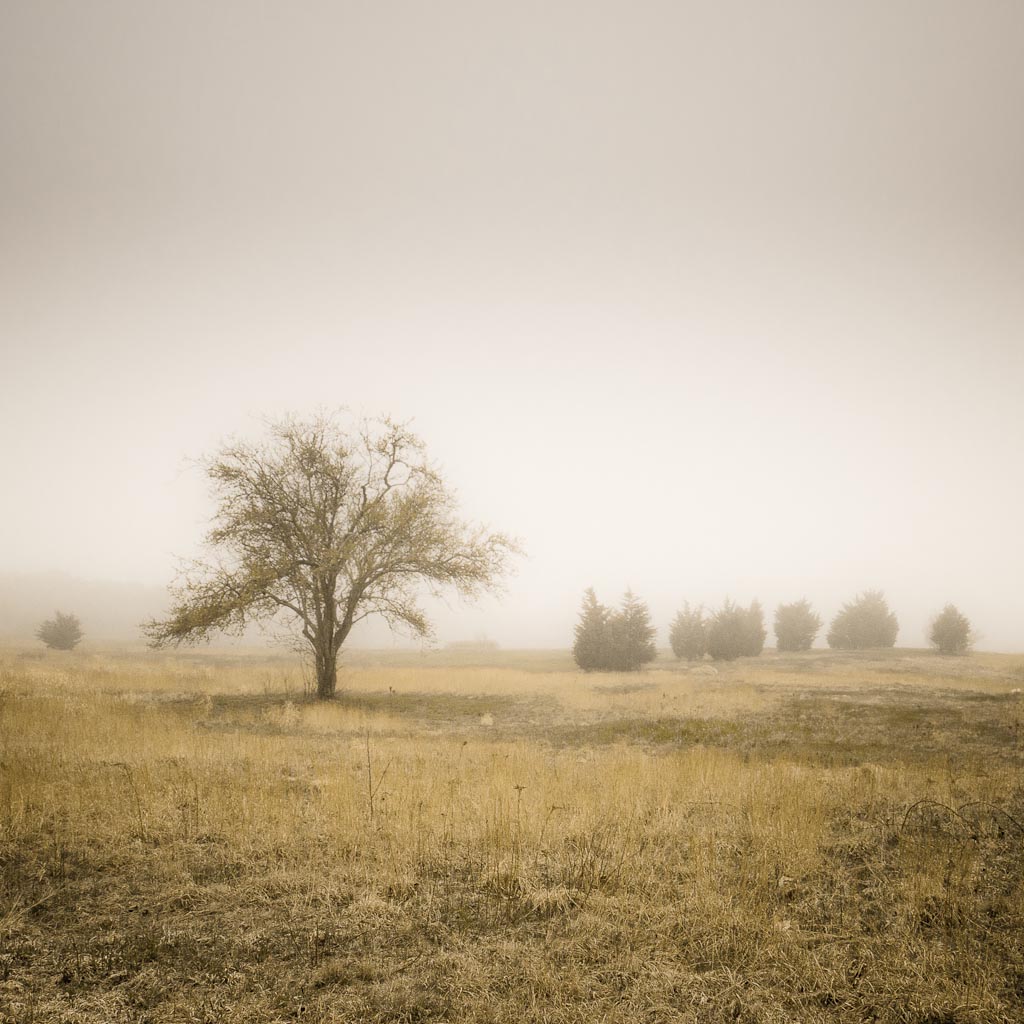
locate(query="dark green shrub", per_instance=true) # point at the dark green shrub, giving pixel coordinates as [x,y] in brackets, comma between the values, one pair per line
[688,633]
[631,635]
[620,641]
[590,649]
[735,632]
[796,626]
[61,633]
[864,623]
[951,631]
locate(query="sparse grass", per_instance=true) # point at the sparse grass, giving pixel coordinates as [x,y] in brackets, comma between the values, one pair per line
[798,838]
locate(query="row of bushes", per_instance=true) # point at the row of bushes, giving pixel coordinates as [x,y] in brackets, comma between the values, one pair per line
[623,640]
[733,632]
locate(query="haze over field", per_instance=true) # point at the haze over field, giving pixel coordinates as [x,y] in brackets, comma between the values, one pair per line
[703,299]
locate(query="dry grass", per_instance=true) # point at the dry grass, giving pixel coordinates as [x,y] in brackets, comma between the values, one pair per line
[814,838]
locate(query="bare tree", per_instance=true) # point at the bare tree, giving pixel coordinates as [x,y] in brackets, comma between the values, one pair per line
[327,527]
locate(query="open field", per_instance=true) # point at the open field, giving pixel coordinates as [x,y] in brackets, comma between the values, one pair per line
[498,838]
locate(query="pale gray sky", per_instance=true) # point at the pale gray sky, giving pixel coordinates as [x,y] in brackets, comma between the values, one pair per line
[708,299]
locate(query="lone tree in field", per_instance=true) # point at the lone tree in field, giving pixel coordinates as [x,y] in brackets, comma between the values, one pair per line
[864,623]
[951,631]
[327,527]
[796,626]
[61,633]
[735,632]
[688,633]
[590,647]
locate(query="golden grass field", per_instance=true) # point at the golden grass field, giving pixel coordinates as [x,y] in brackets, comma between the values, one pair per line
[818,837]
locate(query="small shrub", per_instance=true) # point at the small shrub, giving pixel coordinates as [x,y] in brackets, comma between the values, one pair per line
[61,633]
[590,649]
[864,623]
[951,631]
[688,633]
[631,635]
[621,641]
[796,626]
[735,632]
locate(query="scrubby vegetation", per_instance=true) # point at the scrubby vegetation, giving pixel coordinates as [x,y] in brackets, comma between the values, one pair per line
[950,631]
[796,626]
[614,641]
[61,633]
[735,632]
[590,642]
[688,633]
[864,623]
[805,838]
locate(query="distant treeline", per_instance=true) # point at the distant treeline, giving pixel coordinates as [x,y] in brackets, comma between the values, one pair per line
[623,639]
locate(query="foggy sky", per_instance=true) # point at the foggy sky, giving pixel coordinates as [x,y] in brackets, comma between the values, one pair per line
[705,299]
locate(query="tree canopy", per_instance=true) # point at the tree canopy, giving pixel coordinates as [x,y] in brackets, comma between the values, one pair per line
[327,526]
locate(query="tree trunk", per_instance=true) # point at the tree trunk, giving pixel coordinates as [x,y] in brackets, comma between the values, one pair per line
[326,671]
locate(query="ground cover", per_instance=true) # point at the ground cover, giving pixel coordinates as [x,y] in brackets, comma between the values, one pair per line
[801,838]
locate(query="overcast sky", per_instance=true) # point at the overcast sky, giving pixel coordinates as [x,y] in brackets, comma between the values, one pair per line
[706,299]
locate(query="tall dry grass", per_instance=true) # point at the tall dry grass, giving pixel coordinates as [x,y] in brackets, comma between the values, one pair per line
[499,844]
